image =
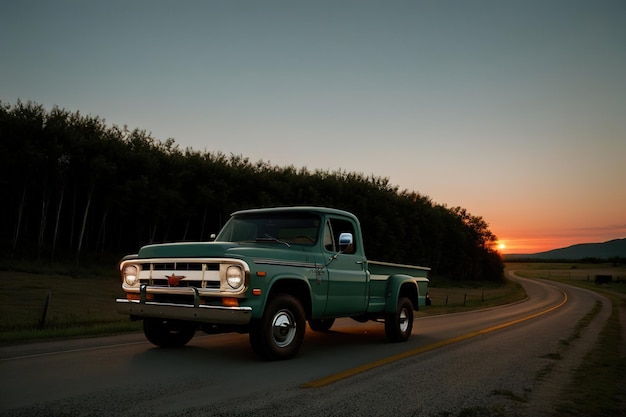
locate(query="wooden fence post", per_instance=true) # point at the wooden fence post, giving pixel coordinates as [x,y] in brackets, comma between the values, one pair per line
[42,322]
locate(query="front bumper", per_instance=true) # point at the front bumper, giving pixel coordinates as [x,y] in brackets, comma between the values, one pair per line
[187,312]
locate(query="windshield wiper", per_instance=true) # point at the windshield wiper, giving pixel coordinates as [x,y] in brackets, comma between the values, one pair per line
[272,239]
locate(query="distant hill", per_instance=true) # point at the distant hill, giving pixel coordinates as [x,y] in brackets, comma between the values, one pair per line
[611,249]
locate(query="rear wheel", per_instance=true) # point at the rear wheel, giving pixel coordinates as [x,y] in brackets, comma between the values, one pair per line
[279,333]
[399,325]
[168,333]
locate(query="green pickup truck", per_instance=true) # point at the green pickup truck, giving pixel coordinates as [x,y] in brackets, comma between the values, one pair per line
[267,273]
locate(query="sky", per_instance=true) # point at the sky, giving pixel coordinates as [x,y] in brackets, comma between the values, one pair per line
[514,110]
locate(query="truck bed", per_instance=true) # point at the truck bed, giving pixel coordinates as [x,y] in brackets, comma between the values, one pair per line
[387,268]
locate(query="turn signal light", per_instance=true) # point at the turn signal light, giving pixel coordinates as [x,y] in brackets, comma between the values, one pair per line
[132,296]
[230,302]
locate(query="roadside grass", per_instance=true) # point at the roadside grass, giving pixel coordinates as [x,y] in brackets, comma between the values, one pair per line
[45,306]
[598,386]
[566,344]
[581,274]
[454,297]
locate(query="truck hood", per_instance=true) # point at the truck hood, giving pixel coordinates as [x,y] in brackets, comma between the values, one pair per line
[185,250]
[221,249]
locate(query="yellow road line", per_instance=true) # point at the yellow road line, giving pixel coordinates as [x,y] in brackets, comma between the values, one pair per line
[318,383]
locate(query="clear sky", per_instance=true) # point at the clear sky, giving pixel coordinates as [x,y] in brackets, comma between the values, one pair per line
[514,110]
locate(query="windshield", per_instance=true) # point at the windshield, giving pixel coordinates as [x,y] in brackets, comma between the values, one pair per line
[283,227]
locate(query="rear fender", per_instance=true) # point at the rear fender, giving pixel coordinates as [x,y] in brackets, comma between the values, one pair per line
[401,285]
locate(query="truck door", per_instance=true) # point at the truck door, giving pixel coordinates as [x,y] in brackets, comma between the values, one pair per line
[347,276]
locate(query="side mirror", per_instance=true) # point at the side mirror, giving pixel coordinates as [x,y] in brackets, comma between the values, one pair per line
[345,240]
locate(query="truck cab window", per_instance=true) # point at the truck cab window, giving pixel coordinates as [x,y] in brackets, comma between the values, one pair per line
[290,228]
[335,227]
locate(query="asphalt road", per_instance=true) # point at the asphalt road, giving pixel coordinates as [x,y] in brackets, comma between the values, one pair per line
[488,360]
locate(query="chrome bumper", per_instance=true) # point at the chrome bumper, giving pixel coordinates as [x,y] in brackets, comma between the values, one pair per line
[189,312]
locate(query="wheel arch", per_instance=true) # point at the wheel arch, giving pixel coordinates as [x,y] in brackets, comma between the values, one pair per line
[297,287]
[401,286]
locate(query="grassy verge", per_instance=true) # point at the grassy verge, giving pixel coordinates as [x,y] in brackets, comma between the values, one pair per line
[454,297]
[598,386]
[579,274]
[39,306]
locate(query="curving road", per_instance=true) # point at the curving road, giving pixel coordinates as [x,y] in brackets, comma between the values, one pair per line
[488,359]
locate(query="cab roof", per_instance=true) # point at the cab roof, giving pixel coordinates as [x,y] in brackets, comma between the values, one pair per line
[298,209]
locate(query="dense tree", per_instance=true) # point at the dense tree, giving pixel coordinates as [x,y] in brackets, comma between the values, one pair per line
[76,187]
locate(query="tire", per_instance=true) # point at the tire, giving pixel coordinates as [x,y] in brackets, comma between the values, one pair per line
[399,325]
[321,325]
[279,333]
[168,333]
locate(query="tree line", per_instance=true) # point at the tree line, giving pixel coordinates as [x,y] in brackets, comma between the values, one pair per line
[76,189]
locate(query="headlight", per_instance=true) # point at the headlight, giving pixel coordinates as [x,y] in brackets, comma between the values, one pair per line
[234,276]
[130,275]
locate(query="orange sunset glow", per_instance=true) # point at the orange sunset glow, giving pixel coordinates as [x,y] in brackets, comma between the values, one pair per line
[534,242]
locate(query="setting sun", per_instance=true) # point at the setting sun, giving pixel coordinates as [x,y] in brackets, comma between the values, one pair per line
[501,246]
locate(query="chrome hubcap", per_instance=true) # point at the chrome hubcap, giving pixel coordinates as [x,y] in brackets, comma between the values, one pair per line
[283,328]
[404,320]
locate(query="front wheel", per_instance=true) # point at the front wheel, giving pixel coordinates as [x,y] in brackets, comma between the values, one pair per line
[168,333]
[279,333]
[399,325]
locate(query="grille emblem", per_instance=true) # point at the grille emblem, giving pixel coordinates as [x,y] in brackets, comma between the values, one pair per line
[174,280]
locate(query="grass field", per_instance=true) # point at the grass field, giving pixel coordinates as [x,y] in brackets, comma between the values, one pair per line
[453,297]
[75,307]
[575,273]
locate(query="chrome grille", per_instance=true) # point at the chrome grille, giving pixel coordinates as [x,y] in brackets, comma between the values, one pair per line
[186,274]
[180,266]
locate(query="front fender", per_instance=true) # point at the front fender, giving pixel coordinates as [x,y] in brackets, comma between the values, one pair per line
[295,284]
